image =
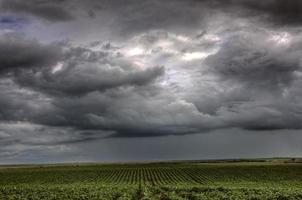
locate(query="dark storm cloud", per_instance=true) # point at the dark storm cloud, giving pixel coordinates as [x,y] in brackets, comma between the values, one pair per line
[260,69]
[49,10]
[258,63]
[11,20]
[79,83]
[125,114]
[102,90]
[279,11]
[145,68]
[253,116]
[147,15]
[83,71]
[137,16]
[16,52]
[276,12]
[19,104]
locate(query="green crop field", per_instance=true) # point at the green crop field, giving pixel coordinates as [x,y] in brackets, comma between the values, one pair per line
[254,180]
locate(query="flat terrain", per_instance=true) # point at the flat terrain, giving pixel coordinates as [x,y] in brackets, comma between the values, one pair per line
[233,180]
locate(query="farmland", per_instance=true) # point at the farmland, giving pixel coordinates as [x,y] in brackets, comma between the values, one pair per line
[242,180]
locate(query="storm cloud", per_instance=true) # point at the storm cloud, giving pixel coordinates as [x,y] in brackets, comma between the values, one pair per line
[18,52]
[114,70]
[51,11]
[280,12]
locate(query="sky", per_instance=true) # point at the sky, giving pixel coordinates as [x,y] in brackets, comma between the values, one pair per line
[132,80]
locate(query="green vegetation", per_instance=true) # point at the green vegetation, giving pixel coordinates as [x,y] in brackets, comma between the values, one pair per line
[242,180]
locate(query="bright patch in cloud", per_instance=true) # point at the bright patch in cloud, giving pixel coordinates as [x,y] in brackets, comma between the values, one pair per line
[182,38]
[212,38]
[164,43]
[135,51]
[57,68]
[195,56]
[283,38]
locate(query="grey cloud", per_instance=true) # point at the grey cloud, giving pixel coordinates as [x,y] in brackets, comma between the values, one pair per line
[48,10]
[132,115]
[279,11]
[129,17]
[156,15]
[257,62]
[22,139]
[36,136]
[275,12]
[82,81]
[259,70]
[257,116]
[220,69]
[97,88]
[20,104]
[84,71]
[16,52]
[141,119]
[102,90]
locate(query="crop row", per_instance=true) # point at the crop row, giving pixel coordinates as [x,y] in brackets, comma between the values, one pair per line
[150,175]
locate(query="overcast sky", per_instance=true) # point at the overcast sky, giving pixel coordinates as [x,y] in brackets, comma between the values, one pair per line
[133,80]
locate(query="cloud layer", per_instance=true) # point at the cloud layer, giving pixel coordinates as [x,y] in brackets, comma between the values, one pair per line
[72,73]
